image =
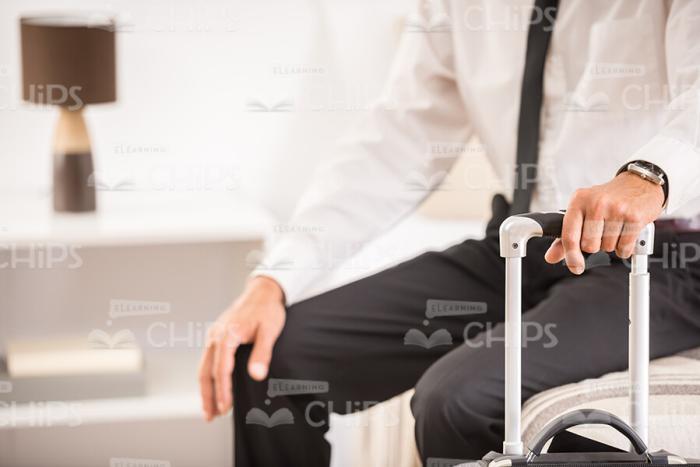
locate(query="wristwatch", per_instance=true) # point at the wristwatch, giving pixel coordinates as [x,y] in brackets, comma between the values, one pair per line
[649,172]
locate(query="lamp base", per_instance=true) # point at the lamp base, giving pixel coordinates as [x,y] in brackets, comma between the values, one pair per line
[72,190]
[73,171]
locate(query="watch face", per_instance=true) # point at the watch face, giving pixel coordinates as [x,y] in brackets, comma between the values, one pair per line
[647,171]
[650,167]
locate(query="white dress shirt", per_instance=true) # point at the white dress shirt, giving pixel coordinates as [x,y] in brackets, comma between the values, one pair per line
[621,83]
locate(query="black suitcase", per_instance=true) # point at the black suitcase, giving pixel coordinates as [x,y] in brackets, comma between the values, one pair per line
[567,448]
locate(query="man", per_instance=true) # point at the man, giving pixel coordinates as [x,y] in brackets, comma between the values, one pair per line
[612,83]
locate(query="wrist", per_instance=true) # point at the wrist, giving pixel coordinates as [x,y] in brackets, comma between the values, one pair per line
[652,188]
[648,172]
[267,285]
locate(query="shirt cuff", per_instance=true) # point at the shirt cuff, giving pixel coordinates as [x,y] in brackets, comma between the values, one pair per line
[681,163]
[294,265]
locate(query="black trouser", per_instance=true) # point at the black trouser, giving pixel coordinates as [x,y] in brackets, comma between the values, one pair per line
[361,344]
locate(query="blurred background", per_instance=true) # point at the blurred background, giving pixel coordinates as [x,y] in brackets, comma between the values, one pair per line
[223,111]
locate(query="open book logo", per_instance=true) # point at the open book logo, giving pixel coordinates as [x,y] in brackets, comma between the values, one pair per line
[104,183]
[123,339]
[255,105]
[255,259]
[596,102]
[416,337]
[439,23]
[256,416]
[418,181]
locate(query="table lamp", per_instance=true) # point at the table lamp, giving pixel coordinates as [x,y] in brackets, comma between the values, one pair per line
[69,62]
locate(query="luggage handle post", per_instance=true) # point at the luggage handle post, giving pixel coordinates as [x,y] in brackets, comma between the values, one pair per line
[514,234]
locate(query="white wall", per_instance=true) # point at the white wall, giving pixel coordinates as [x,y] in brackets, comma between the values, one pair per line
[187,70]
[186,73]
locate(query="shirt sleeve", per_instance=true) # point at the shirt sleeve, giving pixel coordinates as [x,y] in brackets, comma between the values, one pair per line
[385,166]
[676,147]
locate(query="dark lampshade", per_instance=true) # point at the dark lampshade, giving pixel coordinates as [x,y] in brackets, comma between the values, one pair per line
[67,61]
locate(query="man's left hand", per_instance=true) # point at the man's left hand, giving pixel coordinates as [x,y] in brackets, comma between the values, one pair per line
[606,217]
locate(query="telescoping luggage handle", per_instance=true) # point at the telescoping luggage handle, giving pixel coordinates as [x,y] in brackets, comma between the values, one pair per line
[514,234]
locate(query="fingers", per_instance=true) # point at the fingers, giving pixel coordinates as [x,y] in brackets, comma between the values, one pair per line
[593,227]
[224,361]
[611,235]
[628,237]
[571,238]
[206,384]
[261,355]
[555,253]
[258,316]
[609,217]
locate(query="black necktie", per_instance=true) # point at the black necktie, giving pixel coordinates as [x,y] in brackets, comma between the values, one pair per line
[538,36]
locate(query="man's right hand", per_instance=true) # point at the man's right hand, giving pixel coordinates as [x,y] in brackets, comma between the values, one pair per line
[256,317]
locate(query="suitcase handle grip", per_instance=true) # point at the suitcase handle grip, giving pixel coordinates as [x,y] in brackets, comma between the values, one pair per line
[550,222]
[586,417]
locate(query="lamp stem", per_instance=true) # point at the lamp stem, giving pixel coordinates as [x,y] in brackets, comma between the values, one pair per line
[73,171]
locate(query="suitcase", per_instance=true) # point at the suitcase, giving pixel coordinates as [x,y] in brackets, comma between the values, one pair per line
[567,448]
